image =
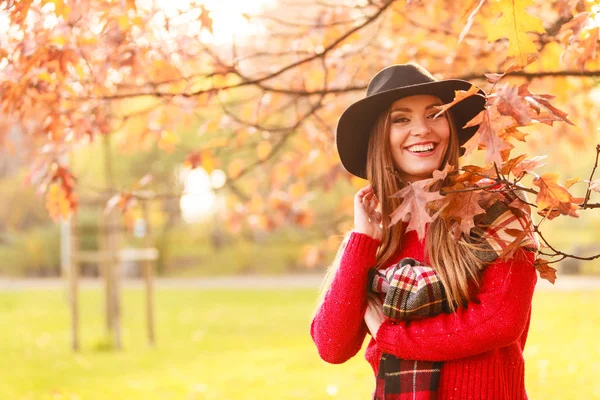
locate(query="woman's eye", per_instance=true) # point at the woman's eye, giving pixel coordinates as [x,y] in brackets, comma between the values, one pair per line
[433,116]
[400,119]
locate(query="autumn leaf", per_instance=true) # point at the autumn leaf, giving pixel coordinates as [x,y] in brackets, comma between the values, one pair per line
[514,24]
[512,104]
[415,198]
[193,160]
[297,190]
[168,140]
[546,272]
[551,193]
[235,168]
[571,181]
[509,165]
[543,100]
[487,136]
[206,21]
[263,149]
[58,203]
[461,208]
[528,165]
[459,95]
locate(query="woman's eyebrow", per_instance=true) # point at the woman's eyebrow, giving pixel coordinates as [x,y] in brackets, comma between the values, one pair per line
[406,109]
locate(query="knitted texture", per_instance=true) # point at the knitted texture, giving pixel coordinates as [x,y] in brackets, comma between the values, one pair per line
[481,345]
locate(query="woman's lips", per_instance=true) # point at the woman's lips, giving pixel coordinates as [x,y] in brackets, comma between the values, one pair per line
[423,153]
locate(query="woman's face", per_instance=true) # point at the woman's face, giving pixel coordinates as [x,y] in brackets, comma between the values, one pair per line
[418,141]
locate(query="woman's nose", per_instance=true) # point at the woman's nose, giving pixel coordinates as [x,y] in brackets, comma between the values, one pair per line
[420,128]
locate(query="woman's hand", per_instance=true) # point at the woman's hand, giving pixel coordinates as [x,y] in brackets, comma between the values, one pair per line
[374,314]
[367,219]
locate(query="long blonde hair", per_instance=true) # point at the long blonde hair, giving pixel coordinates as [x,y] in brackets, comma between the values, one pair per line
[454,261]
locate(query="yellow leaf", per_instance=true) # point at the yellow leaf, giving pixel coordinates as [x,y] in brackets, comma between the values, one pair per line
[297,190]
[264,149]
[124,23]
[60,8]
[44,76]
[570,182]
[235,168]
[514,24]
[279,175]
[168,140]
[208,162]
[59,40]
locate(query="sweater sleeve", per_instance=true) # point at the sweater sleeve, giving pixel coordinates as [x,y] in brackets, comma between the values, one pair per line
[496,318]
[338,328]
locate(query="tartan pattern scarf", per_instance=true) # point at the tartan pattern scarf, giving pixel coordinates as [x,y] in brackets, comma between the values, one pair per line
[412,291]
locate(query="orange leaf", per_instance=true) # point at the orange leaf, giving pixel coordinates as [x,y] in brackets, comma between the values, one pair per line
[546,271]
[459,95]
[528,165]
[415,198]
[551,193]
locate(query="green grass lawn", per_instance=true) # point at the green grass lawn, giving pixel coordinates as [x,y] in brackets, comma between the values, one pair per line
[219,344]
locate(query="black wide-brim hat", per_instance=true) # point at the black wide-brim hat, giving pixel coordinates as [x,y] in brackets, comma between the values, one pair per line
[387,86]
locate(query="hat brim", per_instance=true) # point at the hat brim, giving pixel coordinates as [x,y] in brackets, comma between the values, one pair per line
[355,123]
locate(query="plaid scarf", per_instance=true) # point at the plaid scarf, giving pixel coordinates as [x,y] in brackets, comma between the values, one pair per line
[414,291]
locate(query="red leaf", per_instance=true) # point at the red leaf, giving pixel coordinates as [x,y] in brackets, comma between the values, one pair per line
[487,136]
[512,104]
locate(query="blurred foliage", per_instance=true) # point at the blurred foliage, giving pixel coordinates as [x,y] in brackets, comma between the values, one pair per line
[35,252]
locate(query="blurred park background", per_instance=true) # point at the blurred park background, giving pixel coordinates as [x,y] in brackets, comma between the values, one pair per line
[170,184]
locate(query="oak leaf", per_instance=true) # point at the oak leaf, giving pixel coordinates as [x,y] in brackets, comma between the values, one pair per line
[528,165]
[536,101]
[459,95]
[415,199]
[551,193]
[546,271]
[460,210]
[512,104]
[487,136]
[514,24]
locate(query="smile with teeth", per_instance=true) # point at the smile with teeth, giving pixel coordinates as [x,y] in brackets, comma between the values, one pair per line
[421,148]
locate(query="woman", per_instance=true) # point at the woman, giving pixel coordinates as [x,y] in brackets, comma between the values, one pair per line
[474,351]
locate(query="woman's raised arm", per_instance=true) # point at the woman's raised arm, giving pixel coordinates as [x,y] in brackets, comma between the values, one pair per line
[338,329]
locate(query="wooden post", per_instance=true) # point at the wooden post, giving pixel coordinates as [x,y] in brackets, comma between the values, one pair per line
[73,284]
[114,280]
[103,265]
[112,270]
[148,277]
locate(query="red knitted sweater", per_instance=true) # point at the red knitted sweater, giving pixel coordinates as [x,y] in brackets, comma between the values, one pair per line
[481,345]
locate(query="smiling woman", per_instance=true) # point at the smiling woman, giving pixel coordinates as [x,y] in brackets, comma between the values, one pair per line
[418,139]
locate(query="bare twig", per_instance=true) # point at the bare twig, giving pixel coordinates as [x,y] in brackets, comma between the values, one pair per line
[589,191]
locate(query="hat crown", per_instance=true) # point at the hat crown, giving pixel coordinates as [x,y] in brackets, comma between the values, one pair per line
[398,76]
